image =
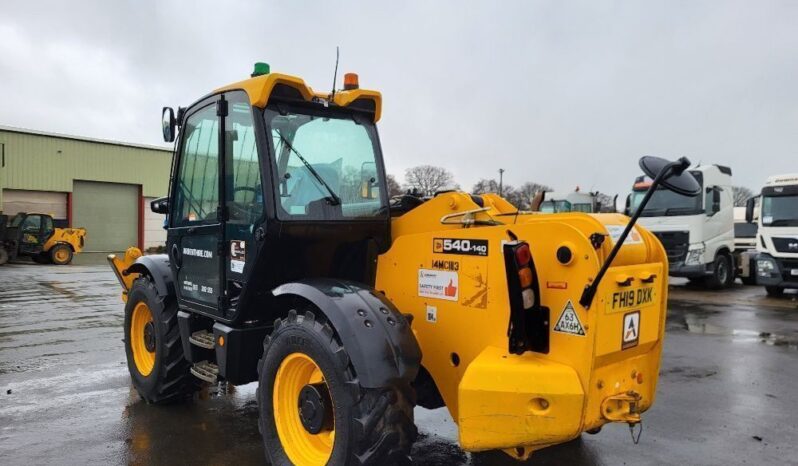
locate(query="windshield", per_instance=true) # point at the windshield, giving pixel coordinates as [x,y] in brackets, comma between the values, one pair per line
[552,207]
[780,211]
[667,203]
[326,165]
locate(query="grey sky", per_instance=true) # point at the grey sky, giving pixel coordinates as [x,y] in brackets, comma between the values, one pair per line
[563,93]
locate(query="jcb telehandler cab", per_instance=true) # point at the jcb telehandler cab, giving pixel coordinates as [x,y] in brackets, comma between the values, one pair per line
[287,265]
[35,235]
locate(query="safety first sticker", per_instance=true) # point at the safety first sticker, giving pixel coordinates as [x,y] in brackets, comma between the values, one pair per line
[438,284]
[615,232]
[569,321]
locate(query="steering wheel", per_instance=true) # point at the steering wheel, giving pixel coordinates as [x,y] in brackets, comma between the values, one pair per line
[242,211]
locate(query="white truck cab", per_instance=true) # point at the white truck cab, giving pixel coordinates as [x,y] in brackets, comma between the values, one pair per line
[777,235]
[574,201]
[697,232]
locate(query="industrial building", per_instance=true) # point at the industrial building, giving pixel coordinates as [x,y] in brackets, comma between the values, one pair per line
[103,186]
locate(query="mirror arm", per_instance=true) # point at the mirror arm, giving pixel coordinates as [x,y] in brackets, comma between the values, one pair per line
[589,292]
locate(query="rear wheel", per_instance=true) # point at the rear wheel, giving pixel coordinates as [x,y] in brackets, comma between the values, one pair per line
[153,347]
[61,254]
[774,291]
[722,275]
[313,410]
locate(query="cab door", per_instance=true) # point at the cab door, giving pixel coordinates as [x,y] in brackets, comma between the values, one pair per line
[244,194]
[194,238]
[34,232]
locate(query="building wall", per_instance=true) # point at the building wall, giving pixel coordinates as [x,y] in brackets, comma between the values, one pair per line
[49,165]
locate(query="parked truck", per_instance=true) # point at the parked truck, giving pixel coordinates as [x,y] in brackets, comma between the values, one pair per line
[34,235]
[777,234]
[697,232]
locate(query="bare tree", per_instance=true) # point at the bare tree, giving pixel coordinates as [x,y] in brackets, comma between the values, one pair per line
[485,186]
[429,179]
[394,189]
[741,195]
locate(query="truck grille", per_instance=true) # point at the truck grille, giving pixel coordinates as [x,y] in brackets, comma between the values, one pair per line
[675,244]
[786,245]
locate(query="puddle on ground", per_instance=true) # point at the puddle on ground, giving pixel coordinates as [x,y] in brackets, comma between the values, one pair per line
[697,324]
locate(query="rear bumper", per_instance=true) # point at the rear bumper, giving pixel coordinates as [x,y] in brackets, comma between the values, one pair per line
[508,401]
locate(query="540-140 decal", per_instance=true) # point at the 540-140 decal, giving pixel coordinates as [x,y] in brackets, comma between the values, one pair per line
[470,247]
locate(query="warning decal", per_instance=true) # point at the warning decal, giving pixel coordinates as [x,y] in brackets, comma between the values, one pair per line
[569,321]
[440,284]
[631,330]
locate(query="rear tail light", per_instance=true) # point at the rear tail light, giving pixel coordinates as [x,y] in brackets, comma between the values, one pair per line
[522,255]
[525,277]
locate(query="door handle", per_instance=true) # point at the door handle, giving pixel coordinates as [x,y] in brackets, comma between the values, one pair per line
[260,234]
[191,230]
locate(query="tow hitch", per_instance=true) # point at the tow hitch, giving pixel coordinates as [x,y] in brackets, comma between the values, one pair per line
[624,407]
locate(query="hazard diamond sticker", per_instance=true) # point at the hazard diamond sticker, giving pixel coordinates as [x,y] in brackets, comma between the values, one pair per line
[569,321]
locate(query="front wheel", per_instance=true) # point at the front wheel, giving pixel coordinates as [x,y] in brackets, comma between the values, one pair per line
[153,347]
[722,274]
[313,410]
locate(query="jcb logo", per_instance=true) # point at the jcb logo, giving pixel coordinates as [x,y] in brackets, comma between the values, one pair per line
[437,245]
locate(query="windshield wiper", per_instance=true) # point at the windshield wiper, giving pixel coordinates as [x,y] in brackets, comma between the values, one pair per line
[333,198]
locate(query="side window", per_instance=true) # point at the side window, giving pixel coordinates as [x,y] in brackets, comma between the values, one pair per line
[197,193]
[48,227]
[708,202]
[244,187]
[32,224]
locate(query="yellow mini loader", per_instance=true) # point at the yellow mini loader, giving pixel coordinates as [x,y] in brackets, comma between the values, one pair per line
[288,266]
[33,235]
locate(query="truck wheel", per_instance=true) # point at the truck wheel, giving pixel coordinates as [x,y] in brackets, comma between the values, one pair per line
[774,291]
[304,373]
[722,274]
[61,254]
[154,351]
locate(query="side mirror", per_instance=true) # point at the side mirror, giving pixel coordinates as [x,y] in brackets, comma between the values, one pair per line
[628,205]
[160,205]
[749,210]
[168,124]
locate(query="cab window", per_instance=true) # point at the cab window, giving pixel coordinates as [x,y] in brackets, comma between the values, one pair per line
[197,193]
[244,192]
[32,224]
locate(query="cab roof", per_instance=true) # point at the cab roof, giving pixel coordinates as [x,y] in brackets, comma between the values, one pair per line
[261,88]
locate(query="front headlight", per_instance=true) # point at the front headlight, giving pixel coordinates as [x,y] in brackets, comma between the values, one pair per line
[694,256]
[765,266]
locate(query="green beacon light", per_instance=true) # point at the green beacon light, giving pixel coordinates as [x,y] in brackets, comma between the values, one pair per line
[260,69]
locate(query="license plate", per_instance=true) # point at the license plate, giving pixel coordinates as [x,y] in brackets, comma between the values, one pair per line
[632,298]
[794,272]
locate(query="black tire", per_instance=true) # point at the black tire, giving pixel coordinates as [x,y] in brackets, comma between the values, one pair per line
[41,258]
[722,273]
[61,254]
[3,255]
[774,291]
[170,380]
[372,425]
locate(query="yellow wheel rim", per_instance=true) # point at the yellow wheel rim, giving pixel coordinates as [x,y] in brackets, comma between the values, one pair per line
[302,447]
[142,339]
[61,254]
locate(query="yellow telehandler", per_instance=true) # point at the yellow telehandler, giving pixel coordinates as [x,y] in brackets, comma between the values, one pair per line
[288,266]
[34,235]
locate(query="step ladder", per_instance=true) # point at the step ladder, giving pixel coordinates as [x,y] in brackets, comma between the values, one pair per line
[203,339]
[207,371]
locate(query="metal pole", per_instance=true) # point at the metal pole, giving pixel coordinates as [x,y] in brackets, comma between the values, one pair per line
[501,176]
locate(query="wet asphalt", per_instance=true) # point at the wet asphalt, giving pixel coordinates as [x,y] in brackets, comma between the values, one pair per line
[728,390]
